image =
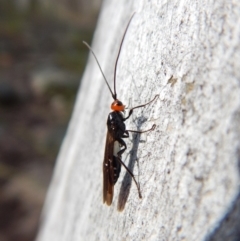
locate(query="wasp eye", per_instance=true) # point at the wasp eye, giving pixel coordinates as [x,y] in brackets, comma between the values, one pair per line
[119,103]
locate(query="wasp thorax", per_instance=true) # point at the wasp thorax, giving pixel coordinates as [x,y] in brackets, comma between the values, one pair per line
[117,105]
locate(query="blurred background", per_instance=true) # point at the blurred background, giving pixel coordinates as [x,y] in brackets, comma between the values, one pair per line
[42,59]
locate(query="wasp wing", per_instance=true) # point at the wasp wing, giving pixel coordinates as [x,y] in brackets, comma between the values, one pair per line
[108,171]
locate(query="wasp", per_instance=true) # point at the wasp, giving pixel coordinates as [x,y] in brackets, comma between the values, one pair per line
[116,132]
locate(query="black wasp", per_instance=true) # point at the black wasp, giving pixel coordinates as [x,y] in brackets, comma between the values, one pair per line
[115,145]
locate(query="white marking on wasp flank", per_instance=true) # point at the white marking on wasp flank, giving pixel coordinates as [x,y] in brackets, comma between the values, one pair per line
[116,148]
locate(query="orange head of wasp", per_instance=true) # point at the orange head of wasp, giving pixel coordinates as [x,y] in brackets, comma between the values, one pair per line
[117,105]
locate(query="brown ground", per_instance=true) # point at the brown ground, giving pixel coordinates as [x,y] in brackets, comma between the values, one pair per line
[34,108]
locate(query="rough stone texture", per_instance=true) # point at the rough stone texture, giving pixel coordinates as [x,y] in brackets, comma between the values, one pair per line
[188,52]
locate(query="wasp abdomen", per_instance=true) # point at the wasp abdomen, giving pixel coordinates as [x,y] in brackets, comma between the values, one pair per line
[116,164]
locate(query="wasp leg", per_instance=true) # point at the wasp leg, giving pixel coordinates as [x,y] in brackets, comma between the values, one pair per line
[131,174]
[126,134]
[123,144]
[140,132]
[139,106]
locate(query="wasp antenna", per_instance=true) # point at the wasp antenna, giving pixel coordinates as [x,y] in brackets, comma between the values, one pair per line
[113,95]
[119,51]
